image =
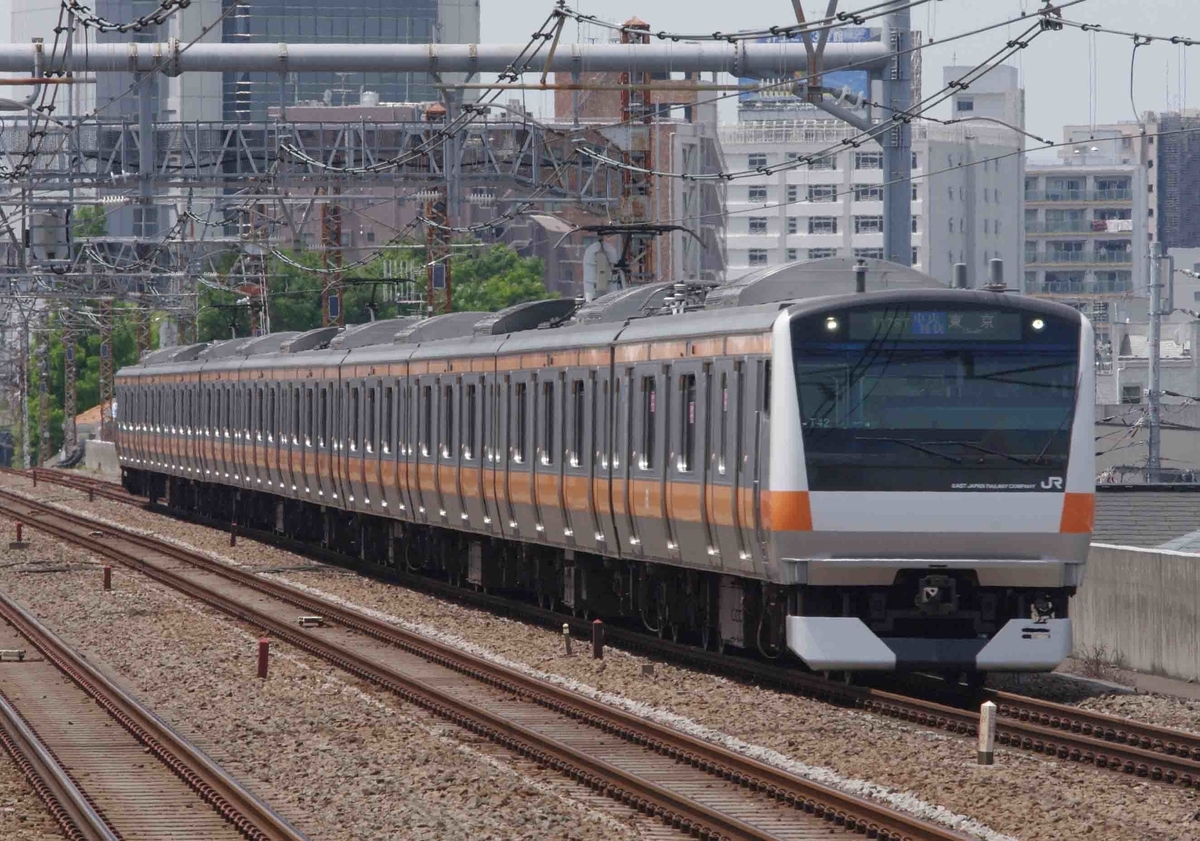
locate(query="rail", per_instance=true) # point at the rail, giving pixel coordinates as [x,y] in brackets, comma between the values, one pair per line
[1072,733]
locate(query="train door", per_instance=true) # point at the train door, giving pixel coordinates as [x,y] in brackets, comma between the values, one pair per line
[373,443]
[323,461]
[389,451]
[550,523]
[470,465]
[749,423]
[353,456]
[406,440]
[522,411]
[623,460]
[579,458]
[307,484]
[650,404]
[449,445]
[425,489]
[722,489]
[602,421]
[687,462]
[493,465]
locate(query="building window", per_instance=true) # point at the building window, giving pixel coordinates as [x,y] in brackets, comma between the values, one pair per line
[915,228]
[758,256]
[757,194]
[915,162]
[824,162]
[965,104]
[792,156]
[868,192]
[915,197]
[793,254]
[951,221]
[950,193]
[868,160]
[868,253]
[822,192]
[1131,394]
[821,253]
[793,194]
[916,260]
[987,226]
[793,225]
[822,225]
[758,224]
[756,159]
[868,224]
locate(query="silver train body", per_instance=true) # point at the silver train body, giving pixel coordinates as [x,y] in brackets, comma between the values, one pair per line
[897,479]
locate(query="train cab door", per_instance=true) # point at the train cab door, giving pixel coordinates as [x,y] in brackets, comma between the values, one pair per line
[722,489]
[687,462]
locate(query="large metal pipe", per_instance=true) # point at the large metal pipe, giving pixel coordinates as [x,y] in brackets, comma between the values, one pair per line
[741,59]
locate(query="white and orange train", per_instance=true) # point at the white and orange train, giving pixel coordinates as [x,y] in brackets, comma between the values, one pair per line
[894,479]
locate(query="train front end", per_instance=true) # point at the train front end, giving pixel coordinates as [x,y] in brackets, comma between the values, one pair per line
[940,443]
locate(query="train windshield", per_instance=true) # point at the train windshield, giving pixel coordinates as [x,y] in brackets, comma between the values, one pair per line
[928,397]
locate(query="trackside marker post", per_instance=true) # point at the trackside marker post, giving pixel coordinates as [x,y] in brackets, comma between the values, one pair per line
[264,654]
[567,638]
[108,578]
[597,640]
[987,732]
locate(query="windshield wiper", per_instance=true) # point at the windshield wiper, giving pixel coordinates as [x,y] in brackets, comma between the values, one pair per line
[990,451]
[913,445]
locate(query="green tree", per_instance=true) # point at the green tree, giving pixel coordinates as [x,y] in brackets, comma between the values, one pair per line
[89,220]
[498,278]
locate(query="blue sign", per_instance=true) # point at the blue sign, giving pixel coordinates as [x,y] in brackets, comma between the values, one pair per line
[855,81]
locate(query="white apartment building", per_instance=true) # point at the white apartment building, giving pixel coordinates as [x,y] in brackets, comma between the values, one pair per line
[966,196]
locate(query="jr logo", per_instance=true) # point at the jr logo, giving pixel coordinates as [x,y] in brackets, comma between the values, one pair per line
[1053,483]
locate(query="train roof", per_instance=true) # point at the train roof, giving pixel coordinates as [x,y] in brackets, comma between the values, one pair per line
[750,303]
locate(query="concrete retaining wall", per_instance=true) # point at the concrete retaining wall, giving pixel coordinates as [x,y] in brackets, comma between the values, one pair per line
[1143,604]
[101,456]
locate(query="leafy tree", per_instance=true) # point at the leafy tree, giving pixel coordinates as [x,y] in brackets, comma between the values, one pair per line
[498,278]
[89,221]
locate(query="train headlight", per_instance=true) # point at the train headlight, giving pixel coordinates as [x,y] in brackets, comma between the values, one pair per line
[831,324]
[1038,324]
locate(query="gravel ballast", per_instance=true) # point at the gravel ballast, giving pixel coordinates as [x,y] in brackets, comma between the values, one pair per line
[1023,795]
[337,757]
[23,816]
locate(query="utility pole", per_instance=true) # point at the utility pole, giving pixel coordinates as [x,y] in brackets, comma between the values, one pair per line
[1154,392]
[106,370]
[70,434]
[43,448]
[897,139]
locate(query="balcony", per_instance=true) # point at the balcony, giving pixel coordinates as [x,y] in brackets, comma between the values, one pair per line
[1083,287]
[1079,196]
[1081,226]
[1097,256]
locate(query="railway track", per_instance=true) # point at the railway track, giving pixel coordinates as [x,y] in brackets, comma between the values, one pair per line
[139,779]
[699,788]
[1070,733]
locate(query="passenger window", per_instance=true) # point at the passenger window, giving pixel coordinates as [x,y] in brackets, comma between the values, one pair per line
[271,414]
[323,419]
[723,439]
[687,432]
[369,445]
[355,431]
[388,400]
[548,429]
[447,421]
[519,443]
[426,429]
[577,409]
[649,415]
[469,422]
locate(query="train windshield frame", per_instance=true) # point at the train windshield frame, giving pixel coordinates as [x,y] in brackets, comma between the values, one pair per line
[936,396]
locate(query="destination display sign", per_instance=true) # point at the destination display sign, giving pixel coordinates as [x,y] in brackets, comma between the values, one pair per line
[935,325]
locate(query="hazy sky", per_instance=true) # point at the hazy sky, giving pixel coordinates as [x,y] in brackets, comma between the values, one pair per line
[1058,68]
